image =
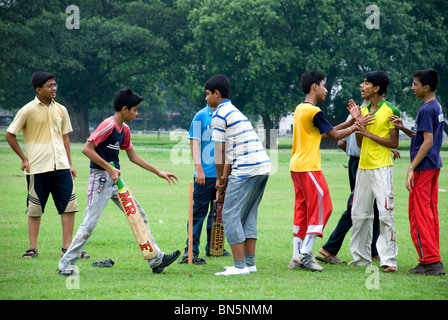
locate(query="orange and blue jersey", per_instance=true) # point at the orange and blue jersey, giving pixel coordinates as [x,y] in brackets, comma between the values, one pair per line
[109,139]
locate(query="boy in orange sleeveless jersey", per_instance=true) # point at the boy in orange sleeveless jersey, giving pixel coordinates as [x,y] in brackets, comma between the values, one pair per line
[312,198]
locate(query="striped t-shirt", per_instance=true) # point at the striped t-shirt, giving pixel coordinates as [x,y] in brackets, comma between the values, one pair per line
[244,150]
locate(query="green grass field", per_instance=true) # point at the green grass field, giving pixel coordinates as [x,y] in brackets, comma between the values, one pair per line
[167,207]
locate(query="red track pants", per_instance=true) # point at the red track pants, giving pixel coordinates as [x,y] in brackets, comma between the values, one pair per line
[313,206]
[424,216]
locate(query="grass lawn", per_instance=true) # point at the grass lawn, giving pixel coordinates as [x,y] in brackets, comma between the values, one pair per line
[167,207]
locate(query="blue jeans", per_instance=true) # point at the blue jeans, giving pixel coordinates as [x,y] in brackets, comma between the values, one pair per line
[101,190]
[203,197]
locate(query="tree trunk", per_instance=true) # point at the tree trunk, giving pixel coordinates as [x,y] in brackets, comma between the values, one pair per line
[271,133]
[79,117]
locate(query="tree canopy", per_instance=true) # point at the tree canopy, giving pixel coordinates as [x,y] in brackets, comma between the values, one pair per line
[167,49]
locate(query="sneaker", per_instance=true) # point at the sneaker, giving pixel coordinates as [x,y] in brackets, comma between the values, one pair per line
[166,261]
[419,269]
[196,259]
[308,261]
[251,268]
[433,269]
[231,271]
[67,272]
[295,264]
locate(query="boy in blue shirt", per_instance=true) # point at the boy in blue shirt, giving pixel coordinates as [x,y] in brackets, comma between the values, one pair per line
[423,173]
[202,150]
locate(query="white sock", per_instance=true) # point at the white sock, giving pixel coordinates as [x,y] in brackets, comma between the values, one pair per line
[296,245]
[308,242]
[296,241]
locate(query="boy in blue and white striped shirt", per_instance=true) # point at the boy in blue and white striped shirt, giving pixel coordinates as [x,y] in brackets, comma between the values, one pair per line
[242,160]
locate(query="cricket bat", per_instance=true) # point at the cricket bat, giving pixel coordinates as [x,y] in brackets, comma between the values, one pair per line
[217,232]
[135,220]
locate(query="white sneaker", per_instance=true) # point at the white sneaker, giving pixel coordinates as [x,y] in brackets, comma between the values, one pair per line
[308,261]
[230,271]
[251,268]
[295,263]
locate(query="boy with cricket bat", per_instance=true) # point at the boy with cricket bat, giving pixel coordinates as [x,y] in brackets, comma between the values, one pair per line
[204,194]
[242,160]
[102,148]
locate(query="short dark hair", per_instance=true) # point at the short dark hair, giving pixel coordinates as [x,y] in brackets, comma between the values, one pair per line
[428,77]
[126,97]
[40,77]
[220,83]
[378,78]
[309,78]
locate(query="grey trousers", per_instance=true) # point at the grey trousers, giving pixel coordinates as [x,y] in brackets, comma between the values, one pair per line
[101,190]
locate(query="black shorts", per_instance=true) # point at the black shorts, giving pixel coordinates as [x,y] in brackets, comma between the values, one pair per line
[59,183]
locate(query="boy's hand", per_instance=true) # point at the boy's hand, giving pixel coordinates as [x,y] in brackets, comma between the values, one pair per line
[73,171]
[114,173]
[398,123]
[362,122]
[396,153]
[220,190]
[200,177]
[354,109]
[168,176]
[410,179]
[25,165]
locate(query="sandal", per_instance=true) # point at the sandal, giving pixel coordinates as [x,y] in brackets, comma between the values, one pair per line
[84,255]
[332,259]
[389,269]
[30,253]
[103,263]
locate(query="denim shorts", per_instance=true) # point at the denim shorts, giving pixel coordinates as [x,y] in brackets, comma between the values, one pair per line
[240,210]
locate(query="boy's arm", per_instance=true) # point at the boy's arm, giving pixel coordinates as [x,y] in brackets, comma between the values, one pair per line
[220,158]
[392,142]
[67,150]
[348,127]
[196,153]
[135,158]
[421,154]
[89,151]
[222,169]
[14,144]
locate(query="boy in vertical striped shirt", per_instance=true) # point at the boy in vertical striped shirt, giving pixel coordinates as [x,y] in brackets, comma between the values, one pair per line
[242,160]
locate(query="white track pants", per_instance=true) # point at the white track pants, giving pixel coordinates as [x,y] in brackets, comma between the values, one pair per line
[370,185]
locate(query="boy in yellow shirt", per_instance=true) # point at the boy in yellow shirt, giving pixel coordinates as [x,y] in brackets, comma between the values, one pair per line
[374,179]
[46,161]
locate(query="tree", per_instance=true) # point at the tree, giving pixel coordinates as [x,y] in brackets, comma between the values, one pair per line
[118,44]
[264,46]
